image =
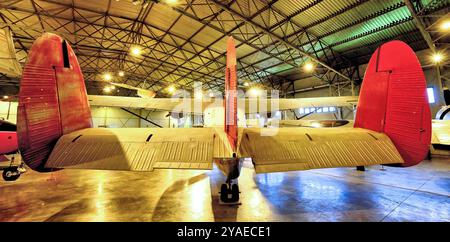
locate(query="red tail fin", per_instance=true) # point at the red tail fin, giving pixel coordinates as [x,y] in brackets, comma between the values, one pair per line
[393,100]
[231,95]
[52,99]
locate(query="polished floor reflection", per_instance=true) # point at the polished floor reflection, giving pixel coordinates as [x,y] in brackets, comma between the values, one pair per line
[420,193]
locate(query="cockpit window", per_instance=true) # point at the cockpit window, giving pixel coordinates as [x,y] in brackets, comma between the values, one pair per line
[6,126]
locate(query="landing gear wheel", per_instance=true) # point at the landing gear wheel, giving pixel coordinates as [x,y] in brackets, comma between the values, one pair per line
[226,190]
[224,193]
[234,193]
[10,174]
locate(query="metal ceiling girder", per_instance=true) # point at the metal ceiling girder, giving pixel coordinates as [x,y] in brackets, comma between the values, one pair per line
[317,38]
[68,6]
[82,47]
[145,24]
[280,39]
[426,36]
[225,33]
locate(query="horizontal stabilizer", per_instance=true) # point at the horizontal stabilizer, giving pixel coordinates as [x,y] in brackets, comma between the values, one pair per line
[294,149]
[138,149]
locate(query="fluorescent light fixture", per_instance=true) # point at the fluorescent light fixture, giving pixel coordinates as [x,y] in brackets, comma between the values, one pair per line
[430,92]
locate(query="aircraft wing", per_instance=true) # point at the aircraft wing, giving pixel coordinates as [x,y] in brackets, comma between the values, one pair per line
[292,149]
[191,105]
[144,93]
[339,101]
[188,105]
[139,149]
[294,103]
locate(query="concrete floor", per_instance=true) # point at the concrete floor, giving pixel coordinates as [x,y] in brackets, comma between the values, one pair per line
[420,193]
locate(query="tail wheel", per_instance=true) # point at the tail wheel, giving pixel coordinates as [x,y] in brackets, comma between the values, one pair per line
[10,174]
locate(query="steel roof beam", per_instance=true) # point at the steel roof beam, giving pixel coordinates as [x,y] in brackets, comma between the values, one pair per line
[426,36]
[280,39]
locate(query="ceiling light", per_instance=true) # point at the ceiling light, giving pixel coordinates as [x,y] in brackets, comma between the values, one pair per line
[437,57]
[107,89]
[112,87]
[308,67]
[445,25]
[5,97]
[171,2]
[136,51]
[211,94]
[107,77]
[121,73]
[171,89]
[246,84]
[254,91]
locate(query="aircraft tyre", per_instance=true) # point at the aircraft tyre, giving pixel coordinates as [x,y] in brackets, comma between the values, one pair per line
[224,193]
[235,193]
[10,174]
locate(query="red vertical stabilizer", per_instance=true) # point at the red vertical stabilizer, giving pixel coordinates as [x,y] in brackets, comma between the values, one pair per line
[231,128]
[52,99]
[393,100]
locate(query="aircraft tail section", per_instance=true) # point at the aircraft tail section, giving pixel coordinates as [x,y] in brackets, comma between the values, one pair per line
[52,99]
[393,100]
[231,125]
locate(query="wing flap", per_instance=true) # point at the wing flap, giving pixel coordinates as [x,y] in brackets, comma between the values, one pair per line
[307,148]
[134,149]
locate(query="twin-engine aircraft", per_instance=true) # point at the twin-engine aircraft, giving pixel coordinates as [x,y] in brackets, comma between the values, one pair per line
[55,128]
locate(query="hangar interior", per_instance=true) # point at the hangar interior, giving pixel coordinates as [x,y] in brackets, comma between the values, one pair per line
[301,49]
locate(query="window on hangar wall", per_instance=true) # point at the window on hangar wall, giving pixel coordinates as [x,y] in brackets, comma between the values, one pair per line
[319,110]
[430,92]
